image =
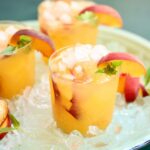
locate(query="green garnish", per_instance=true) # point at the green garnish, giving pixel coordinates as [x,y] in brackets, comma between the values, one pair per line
[8,50]
[89,17]
[14,121]
[147,77]
[116,63]
[110,68]
[23,40]
[15,124]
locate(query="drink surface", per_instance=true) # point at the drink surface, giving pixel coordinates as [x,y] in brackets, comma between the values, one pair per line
[80,96]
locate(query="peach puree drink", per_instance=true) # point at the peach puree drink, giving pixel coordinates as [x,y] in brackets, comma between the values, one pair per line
[80,96]
[59,19]
[16,70]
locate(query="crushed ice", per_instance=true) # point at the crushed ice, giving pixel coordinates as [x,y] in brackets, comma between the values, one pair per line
[39,132]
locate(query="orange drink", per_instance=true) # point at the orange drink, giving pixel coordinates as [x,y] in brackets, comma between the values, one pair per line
[81,97]
[70,22]
[17,69]
[78,32]
[17,56]
[60,20]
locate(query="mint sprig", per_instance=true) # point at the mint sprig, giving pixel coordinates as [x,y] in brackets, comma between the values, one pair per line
[88,17]
[10,49]
[110,68]
[15,124]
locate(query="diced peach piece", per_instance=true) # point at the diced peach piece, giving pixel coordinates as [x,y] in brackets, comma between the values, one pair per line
[133,83]
[6,123]
[40,41]
[64,90]
[106,14]
[130,64]
[122,80]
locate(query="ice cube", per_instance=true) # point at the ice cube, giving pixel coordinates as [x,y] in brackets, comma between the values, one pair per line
[68,57]
[61,7]
[3,40]
[98,52]
[62,66]
[77,71]
[49,16]
[82,52]
[68,76]
[66,18]
[3,36]
[10,31]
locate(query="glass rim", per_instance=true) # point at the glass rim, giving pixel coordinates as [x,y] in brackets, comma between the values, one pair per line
[50,62]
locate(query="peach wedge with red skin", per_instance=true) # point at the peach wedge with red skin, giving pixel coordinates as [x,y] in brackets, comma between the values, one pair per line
[131,70]
[130,64]
[132,86]
[5,124]
[40,41]
[4,117]
[106,14]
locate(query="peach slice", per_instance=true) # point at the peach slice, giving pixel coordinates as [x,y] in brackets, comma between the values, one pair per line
[144,91]
[6,123]
[74,109]
[131,70]
[122,80]
[3,111]
[106,14]
[63,92]
[130,64]
[40,41]
[132,86]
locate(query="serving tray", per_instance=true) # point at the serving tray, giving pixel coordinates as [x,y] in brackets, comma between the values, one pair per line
[130,125]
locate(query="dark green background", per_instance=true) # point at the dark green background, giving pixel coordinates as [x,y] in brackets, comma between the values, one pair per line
[135,13]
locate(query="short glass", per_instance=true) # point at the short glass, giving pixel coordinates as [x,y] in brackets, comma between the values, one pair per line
[78,32]
[78,104]
[62,22]
[17,70]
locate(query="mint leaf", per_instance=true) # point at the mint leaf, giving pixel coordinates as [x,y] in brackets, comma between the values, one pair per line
[100,71]
[147,77]
[117,63]
[8,50]
[25,38]
[89,17]
[15,124]
[5,130]
[110,68]
[14,121]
